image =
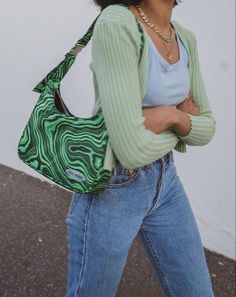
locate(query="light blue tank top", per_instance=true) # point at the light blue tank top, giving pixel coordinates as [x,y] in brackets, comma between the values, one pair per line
[168,84]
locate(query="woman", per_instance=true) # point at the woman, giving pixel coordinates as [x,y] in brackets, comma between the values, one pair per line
[148,83]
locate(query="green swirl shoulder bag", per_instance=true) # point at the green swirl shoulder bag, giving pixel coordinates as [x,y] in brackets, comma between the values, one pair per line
[66,149]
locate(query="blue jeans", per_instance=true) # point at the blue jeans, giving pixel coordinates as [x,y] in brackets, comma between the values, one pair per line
[149,201]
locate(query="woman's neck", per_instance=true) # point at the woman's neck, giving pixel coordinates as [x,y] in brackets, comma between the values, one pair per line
[158,12]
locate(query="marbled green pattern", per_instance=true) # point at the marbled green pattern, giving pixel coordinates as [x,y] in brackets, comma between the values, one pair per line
[64,148]
[53,142]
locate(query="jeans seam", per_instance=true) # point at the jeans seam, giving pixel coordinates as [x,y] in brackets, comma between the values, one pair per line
[75,202]
[84,245]
[159,189]
[156,261]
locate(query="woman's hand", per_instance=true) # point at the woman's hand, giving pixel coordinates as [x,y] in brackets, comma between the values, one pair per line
[188,106]
[159,118]
[182,125]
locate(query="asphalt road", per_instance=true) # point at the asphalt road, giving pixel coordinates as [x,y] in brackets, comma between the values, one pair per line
[33,246]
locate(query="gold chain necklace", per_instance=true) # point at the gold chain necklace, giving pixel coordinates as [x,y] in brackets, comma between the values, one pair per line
[170,56]
[144,17]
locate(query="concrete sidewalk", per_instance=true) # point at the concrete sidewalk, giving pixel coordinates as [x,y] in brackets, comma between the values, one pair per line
[33,253]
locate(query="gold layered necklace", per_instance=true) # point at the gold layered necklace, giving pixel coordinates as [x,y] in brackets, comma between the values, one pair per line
[168,39]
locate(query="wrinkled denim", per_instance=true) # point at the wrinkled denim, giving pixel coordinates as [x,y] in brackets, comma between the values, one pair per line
[150,202]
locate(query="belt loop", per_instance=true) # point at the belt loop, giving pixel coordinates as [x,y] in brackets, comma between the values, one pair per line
[169,156]
[172,156]
[162,160]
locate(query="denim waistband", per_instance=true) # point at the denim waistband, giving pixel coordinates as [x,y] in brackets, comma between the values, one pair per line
[169,157]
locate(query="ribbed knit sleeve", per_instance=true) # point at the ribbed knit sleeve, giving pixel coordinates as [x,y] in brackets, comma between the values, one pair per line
[203,126]
[115,54]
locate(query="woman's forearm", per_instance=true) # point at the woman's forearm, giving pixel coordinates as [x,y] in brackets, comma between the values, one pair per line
[159,118]
[182,124]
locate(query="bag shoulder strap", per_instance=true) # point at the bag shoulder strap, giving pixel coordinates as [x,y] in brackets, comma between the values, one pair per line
[58,73]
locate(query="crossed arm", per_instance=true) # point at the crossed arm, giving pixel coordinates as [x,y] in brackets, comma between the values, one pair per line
[160,118]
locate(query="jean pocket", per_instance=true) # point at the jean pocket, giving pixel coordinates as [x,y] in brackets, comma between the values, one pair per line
[74,201]
[122,176]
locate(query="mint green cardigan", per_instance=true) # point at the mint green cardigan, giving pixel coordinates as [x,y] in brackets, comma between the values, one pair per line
[120,83]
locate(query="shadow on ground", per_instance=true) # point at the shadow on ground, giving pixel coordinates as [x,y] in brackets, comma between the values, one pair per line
[33,250]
